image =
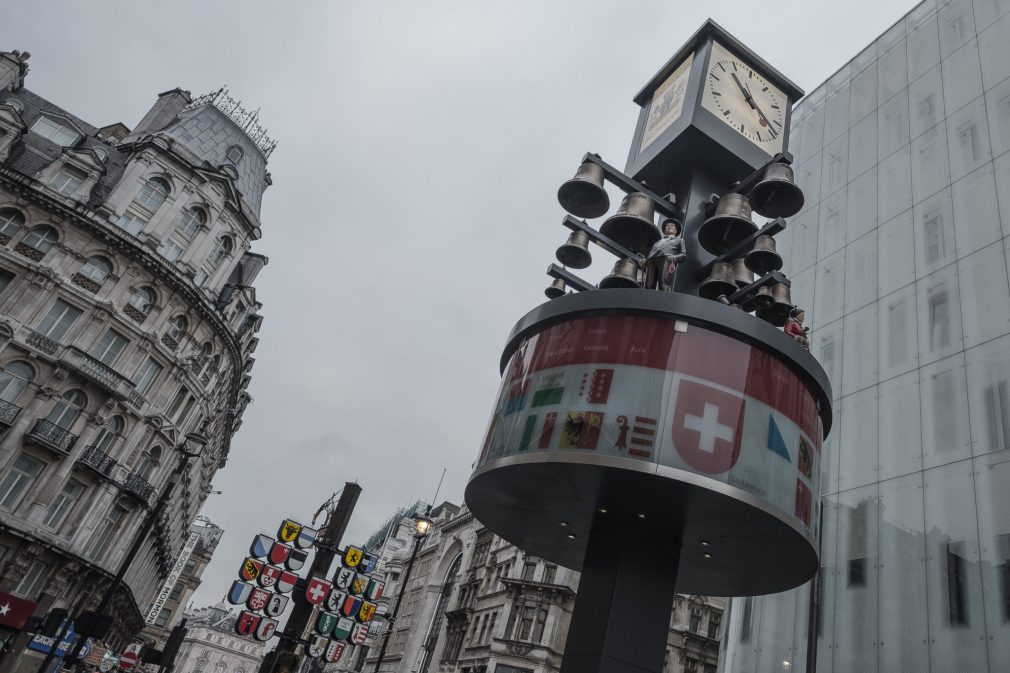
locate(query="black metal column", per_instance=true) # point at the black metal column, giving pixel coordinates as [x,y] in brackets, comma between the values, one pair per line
[621,619]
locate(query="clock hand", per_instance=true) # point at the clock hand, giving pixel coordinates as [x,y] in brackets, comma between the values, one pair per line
[746,94]
[749,97]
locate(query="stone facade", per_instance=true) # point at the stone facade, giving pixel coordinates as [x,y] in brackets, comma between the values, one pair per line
[127,320]
[211,645]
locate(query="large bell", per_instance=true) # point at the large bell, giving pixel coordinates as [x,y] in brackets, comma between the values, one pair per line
[625,274]
[556,289]
[742,276]
[776,194]
[583,195]
[720,282]
[730,224]
[778,313]
[763,258]
[575,251]
[761,300]
[633,225]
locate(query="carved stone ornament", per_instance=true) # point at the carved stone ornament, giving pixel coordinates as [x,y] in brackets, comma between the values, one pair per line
[101,315]
[47,391]
[56,217]
[519,649]
[22,561]
[60,374]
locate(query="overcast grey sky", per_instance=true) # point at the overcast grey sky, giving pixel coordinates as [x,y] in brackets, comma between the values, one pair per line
[413,212]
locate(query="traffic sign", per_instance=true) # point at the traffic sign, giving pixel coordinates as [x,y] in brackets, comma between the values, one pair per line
[128,660]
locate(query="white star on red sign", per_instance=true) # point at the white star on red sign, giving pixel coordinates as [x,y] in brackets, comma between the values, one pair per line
[4,609]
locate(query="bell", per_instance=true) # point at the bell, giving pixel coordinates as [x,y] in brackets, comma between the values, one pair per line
[556,289]
[742,276]
[759,301]
[776,194]
[633,225]
[730,224]
[720,282]
[763,258]
[575,251]
[778,313]
[625,274]
[583,195]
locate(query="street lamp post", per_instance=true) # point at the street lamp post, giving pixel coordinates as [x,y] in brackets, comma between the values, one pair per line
[422,526]
[190,448]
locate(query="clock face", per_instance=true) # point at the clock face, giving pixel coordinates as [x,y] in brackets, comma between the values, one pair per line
[744,100]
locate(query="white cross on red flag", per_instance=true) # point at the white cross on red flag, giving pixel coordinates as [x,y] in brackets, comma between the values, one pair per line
[317,590]
[707,424]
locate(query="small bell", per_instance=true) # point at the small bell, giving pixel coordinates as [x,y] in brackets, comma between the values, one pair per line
[776,194]
[760,301]
[730,224]
[633,225]
[556,289]
[625,274]
[575,251]
[584,195]
[742,276]
[764,258]
[720,282]
[778,313]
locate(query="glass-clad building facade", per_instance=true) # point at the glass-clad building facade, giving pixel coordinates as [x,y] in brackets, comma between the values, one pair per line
[901,259]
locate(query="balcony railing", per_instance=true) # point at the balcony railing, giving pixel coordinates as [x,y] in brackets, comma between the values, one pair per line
[139,487]
[52,436]
[8,412]
[98,460]
[103,375]
[42,342]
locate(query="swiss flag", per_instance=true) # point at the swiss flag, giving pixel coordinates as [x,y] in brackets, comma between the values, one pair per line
[707,424]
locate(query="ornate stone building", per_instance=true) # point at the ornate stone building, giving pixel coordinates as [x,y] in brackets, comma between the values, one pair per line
[127,320]
[211,645]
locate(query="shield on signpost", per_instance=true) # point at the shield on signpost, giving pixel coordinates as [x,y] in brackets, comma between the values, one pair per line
[352,557]
[258,599]
[335,600]
[359,633]
[239,593]
[276,604]
[278,553]
[317,646]
[260,546]
[342,631]
[251,569]
[334,651]
[344,578]
[265,629]
[325,623]
[269,575]
[373,591]
[306,536]
[286,582]
[246,623]
[368,563]
[288,531]
[366,612]
[358,585]
[296,559]
[351,606]
[316,591]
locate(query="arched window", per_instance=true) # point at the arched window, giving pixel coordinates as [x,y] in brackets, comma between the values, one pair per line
[108,433]
[41,238]
[190,222]
[67,409]
[205,361]
[152,194]
[97,269]
[149,462]
[14,379]
[142,299]
[177,327]
[234,154]
[222,248]
[11,221]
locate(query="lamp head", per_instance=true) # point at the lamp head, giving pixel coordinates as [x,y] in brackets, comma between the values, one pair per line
[422,525]
[194,444]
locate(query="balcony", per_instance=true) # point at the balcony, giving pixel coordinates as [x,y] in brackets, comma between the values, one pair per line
[42,342]
[98,461]
[138,487]
[47,434]
[103,375]
[8,412]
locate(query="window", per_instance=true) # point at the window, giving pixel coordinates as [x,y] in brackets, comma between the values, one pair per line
[131,223]
[957,584]
[222,248]
[695,624]
[63,504]
[967,140]
[41,238]
[67,409]
[5,279]
[32,579]
[713,626]
[14,379]
[163,617]
[171,249]
[68,180]
[176,592]
[526,619]
[142,299]
[549,574]
[104,532]
[17,480]
[148,463]
[538,630]
[96,269]
[857,572]
[933,237]
[152,194]
[926,110]
[108,433]
[109,347]
[190,222]
[234,154]
[11,221]
[51,130]
[58,320]
[177,328]
[189,568]
[529,570]
[939,320]
[690,664]
[146,375]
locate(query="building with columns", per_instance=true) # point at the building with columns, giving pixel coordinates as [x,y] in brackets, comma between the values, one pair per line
[212,646]
[128,319]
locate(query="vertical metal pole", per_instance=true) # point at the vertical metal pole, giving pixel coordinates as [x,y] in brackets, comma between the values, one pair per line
[396,606]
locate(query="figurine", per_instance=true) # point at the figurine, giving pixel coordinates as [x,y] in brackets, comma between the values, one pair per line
[794,327]
[665,254]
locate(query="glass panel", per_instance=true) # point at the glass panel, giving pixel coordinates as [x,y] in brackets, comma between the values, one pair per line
[827,348]
[987,11]
[856,589]
[861,272]
[813,133]
[862,205]
[804,247]
[808,177]
[994,51]
[834,166]
[976,218]
[827,581]
[968,131]
[892,125]
[836,114]
[1002,168]
[925,102]
[988,371]
[896,259]
[832,227]
[962,77]
[803,291]
[923,48]
[894,179]
[864,59]
[930,170]
[957,25]
[939,315]
[892,72]
[985,296]
[863,94]
[775,615]
[934,233]
[899,351]
[903,606]
[900,434]
[893,36]
[953,582]
[857,450]
[992,477]
[859,359]
[863,145]
[944,412]
[997,101]
[829,289]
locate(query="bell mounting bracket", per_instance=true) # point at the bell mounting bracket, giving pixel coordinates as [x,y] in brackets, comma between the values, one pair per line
[744,186]
[664,204]
[770,229]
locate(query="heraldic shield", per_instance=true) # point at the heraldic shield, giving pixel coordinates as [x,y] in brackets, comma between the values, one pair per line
[260,546]
[265,630]
[306,536]
[279,553]
[334,651]
[342,631]
[275,606]
[352,557]
[251,569]
[258,599]
[246,623]
[296,559]
[286,582]
[344,578]
[288,532]
[368,563]
[335,600]
[358,585]
[366,612]
[373,591]
[316,591]
[317,646]
[239,593]
[351,606]
[269,575]
[325,623]
[359,633]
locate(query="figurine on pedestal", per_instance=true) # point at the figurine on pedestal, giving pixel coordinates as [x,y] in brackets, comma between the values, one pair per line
[664,256]
[794,327]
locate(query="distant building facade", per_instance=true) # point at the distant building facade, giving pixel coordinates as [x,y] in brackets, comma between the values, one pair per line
[127,320]
[212,646]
